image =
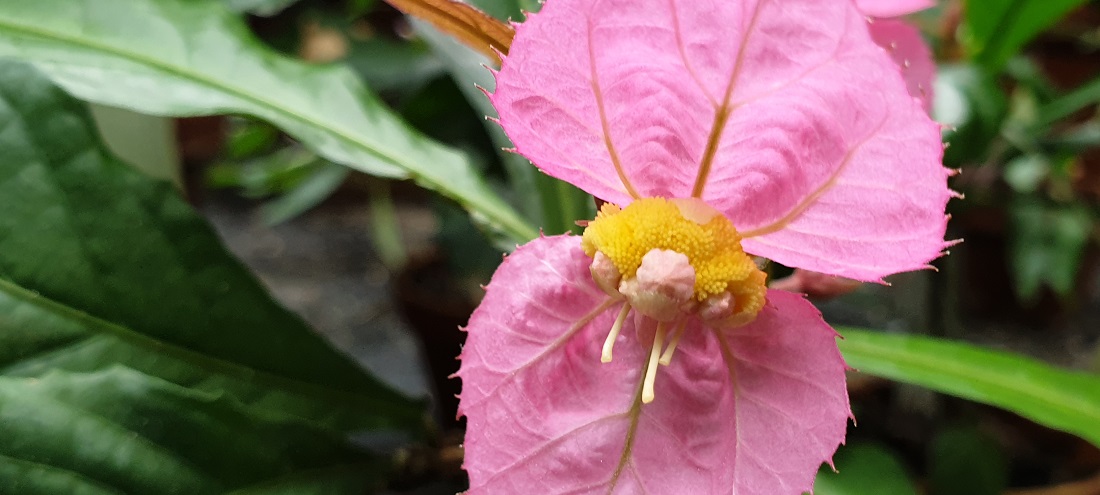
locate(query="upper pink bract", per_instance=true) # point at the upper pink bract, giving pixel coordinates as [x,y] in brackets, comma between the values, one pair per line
[825,162]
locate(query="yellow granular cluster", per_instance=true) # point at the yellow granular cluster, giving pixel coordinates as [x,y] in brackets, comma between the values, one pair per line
[713,248]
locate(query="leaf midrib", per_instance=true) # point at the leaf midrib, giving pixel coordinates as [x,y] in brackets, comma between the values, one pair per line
[413,171]
[212,364]
[200,79]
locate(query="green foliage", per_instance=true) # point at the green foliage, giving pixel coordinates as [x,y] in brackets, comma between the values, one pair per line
[971,105]
[122,431]
[258,7]
[555,205]
[1059,399]
[1048,242]
[996,29]
[195,57]
[864,469]
[135,354]
[1066,105]
[389,66]
[296,179]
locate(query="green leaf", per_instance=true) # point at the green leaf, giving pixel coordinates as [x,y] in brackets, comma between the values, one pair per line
[194,57]
[1077,140]
[258,7]
[555,205]
[310,192]
[994,30]
[1066,105]
[1059,399]
[100,265]
[864,469]
[1048,242]
[387,65]
[467,68]
[121,431]
[507,9]
[249,138]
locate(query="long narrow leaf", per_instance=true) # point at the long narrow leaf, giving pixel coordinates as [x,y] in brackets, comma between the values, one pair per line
[995,30]
[1059,399]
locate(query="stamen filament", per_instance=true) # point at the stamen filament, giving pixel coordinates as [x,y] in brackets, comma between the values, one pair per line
[666,358]
[651,368]
[614,334]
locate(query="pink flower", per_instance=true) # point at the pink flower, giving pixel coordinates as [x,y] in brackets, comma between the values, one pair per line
[647,356]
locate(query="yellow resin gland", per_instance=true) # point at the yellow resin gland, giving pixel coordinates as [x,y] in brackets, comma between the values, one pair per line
[729,289]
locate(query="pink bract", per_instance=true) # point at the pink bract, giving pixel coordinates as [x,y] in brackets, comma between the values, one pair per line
[816,285]
[821,159]
[753,411]
[892,8]
[906,46]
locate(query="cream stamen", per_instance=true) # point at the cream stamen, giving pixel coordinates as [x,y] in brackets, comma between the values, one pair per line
[666,357]
[614,334]
[651,368]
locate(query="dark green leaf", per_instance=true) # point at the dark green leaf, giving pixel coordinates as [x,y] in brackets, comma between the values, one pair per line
[100,265]
[249,138]
[194,57]
[467,68]
[310,192]
[864,469]
[972,107]
[121,431]
[1058,399]
[963,461]
[556,205]
[1066,105]
[388,66]
[996,29]
[1076,140]
[274,173]
[507,9]
[1047,244]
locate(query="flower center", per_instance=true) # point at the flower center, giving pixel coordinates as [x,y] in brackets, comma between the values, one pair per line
[672,260]
[647,252]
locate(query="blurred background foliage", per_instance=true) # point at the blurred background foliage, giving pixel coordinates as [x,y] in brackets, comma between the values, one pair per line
[306,106]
